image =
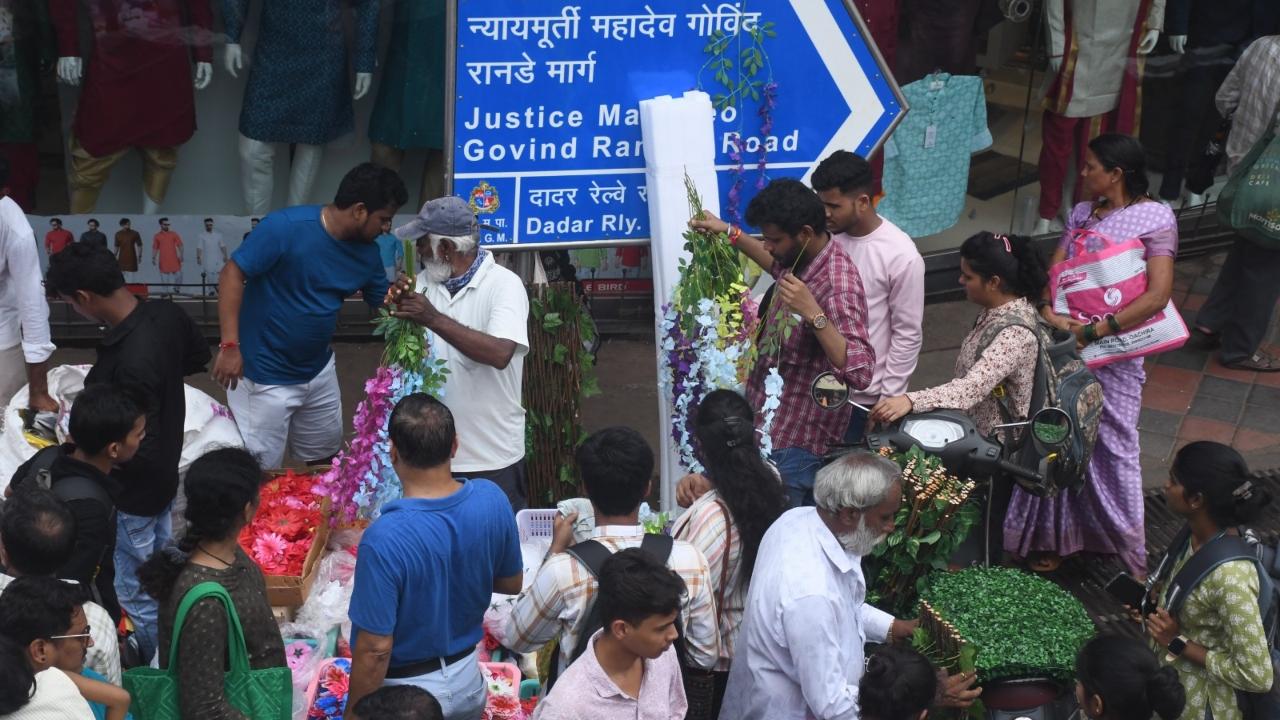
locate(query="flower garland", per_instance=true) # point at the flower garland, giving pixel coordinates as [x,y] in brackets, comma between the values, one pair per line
[284,525]
[706,331]
[361,478]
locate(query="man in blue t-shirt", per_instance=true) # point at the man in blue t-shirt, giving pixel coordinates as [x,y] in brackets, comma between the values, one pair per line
[392,251]
[278,303]
[427,568]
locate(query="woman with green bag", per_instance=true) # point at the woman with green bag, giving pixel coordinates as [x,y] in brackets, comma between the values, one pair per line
[221,655]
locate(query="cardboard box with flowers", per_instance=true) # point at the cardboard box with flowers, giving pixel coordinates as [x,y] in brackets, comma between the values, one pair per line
[287,536]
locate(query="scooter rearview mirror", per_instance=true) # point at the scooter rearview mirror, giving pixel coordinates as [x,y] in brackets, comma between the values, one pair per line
[829,392]
[1051,427]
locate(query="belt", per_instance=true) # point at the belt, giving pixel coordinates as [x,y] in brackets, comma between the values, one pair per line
[422,667]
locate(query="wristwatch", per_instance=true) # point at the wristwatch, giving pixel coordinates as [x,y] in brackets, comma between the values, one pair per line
[1177,646]
[819,321]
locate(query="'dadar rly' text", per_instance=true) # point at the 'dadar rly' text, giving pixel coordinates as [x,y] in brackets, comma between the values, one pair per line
[545,219]
[602,146]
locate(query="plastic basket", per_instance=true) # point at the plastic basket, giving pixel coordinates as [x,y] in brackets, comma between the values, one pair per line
[536,524]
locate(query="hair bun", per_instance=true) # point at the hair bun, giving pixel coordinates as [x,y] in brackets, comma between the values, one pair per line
[1165,693]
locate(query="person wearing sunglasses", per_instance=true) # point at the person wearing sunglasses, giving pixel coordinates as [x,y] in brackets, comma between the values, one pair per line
[44,638]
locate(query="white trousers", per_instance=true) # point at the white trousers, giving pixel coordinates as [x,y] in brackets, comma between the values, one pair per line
[305,418]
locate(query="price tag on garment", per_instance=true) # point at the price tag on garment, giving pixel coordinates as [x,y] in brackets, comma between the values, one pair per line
[936,85]
[930,136]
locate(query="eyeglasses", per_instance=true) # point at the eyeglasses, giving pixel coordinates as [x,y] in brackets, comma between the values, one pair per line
[79,636]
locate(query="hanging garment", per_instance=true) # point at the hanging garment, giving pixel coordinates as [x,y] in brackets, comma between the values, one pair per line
[1098,42]
[926,160]
[410,110]
[299,87]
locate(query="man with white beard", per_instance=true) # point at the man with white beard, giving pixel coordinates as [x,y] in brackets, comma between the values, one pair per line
[800,652]
[479,314]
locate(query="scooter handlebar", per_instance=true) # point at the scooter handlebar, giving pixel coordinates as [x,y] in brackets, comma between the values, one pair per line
[1017,470]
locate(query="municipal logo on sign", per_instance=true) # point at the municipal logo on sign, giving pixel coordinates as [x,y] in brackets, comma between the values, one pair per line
[484,199]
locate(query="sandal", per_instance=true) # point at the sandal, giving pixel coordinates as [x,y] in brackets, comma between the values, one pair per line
[1262,361]
[1205,339]
[1044,562]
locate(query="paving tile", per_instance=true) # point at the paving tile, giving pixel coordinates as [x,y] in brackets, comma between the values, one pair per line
[1265,396]
[1167,400]
[1158,421]
[1248,441]
[1223,389]
[1197,428]
[1259,417]
[1210,408]
[1157,445]
[1154,472]
[1269,379]
[1186,357]
[1216,369]
[1175,378]
[1193,301]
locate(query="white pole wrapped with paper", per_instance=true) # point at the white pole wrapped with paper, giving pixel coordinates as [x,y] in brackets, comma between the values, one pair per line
[679,141]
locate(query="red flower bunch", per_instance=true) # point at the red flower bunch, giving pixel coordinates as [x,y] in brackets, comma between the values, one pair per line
[282,530]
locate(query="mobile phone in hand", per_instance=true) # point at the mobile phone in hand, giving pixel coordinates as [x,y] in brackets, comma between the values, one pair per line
[1127,590]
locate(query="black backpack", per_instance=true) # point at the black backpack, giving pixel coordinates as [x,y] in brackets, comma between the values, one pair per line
[593,555]
[71,487]
[1062,380]
[1224,549]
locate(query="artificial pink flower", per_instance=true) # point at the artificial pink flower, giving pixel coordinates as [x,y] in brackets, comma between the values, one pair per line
[269,548]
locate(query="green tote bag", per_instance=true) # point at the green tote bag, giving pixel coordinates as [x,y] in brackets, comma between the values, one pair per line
[260,694]
[1250,201]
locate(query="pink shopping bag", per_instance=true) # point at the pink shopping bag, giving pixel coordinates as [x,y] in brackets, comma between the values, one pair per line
[1093,285]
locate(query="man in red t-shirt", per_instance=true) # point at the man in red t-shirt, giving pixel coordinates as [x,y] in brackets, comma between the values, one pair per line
[166,253]
[57,239]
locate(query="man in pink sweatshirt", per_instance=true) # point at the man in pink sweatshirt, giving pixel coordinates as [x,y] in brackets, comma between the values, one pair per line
[892,276]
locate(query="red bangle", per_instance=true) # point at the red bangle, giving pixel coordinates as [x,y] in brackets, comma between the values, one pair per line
[735,234]
[229,344]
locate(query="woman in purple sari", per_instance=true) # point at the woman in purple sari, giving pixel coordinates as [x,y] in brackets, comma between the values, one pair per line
[1106,515]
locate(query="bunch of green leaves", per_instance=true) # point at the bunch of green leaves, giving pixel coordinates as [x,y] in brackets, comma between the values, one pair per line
[736,60]
[1018,624]
[712,270]
[935,516]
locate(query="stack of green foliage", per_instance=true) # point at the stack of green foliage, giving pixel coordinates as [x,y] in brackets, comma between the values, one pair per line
[1003,623]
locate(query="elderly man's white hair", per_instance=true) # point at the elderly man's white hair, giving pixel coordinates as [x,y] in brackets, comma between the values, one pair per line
[464,244]
[859,480]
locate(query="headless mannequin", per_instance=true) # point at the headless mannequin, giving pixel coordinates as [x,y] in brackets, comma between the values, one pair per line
[71,71]
[257,158]
[1085,104]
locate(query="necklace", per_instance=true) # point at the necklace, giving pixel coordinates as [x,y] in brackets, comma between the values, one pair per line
[228,563]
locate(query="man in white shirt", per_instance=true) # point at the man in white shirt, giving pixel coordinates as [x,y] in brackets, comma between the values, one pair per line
[25,346]
[41,616]
[800,652]
[211,255]
[479,314]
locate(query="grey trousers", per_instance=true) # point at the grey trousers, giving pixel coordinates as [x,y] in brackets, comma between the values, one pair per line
[1243,299]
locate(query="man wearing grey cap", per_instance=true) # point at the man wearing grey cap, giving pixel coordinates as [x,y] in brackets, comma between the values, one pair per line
[479,311]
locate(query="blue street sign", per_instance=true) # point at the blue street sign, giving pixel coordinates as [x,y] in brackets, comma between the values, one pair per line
[546,118]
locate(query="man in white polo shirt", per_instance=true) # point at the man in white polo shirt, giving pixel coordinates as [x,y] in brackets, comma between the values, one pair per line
[479,313]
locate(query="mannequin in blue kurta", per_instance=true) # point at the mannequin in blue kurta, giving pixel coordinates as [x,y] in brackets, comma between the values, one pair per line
[298,89]
[409,113]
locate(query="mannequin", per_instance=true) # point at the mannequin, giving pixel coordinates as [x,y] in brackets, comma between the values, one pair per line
[1209,35]
[138,90]
[409,112]
[26,38]
[1096,89]
[297,91]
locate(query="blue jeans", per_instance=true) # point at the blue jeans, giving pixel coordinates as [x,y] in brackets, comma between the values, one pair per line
[798,468]
[857,427]
[459,688]
[136,539]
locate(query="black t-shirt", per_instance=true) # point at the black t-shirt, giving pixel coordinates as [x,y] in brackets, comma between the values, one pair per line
[150,353]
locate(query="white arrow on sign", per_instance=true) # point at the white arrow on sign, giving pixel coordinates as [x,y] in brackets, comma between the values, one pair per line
[825,36]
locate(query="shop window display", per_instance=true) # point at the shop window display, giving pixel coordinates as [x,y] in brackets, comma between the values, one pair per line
[124,111]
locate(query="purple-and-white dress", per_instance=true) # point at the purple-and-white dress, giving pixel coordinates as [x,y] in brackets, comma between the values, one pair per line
[1106,515]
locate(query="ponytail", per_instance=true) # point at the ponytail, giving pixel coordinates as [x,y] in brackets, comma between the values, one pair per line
[1219,474]
[219,485]
[17,681]
[1015,259]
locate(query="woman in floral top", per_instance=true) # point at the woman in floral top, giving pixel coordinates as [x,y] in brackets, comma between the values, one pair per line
[1216,642]
[1003,275]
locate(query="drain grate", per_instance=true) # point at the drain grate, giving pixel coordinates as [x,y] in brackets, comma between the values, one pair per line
[1085,577]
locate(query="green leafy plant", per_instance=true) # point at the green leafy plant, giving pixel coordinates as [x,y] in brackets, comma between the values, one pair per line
[406,340]
[737,59]
[713,269]
[1003,623]
[935,517]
